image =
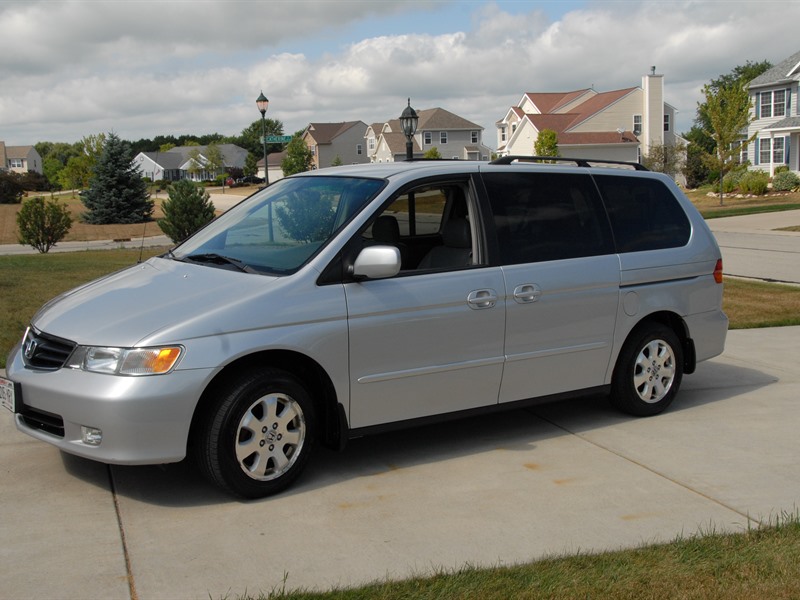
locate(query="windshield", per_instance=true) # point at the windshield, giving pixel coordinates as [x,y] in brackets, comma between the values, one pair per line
[277,230]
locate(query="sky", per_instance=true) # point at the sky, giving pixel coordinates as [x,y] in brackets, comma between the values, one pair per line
[142,68]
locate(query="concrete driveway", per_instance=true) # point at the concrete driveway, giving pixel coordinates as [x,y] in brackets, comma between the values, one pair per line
[561,478]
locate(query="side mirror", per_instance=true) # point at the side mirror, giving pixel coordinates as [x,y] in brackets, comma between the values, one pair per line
[377,262]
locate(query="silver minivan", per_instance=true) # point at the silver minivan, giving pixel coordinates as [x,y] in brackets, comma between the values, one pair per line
[346,301]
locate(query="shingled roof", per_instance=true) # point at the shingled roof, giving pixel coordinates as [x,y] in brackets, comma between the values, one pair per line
[786,71]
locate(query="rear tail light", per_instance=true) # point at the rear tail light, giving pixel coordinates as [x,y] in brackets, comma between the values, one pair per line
[718,271]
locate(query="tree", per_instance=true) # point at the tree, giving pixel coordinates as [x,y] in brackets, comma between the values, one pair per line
[186,210]
[728,110]
[215,161]
[741,75]
[546,143]
[251,137]
[117,192]
[665,158]
[75,174]
[432,153]
[196,162]
[298,157]
[251,164]
[11,191]
[42,224]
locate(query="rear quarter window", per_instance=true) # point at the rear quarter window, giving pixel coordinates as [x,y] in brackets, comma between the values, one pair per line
[644,213]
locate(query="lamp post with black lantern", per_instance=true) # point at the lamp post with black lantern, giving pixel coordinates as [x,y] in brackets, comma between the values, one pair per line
[262,103]
[408,122]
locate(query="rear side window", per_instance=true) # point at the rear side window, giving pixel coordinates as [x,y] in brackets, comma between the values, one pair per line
[644,213]
[547,216]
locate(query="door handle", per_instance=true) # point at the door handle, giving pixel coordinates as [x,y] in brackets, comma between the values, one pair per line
[527,293]
[479,299]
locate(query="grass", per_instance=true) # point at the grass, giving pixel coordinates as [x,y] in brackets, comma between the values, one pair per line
[752,304]
[710,208]
[758,563]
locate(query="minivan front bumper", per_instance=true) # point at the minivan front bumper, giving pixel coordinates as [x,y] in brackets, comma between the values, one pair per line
[141,420]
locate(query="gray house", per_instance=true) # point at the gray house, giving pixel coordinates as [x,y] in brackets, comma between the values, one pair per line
[19,159]
[187,162]
[775,118]
[330,142]
[453,136]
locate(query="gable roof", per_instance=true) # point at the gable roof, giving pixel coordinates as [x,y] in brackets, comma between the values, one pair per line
[548,102]
[439,118]
[232,155]
[325,133]
[785,71]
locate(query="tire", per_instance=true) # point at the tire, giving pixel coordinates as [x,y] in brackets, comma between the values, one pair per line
[257,437]
[648,372]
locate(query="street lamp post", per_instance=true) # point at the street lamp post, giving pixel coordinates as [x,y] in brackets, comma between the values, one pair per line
[408,122]
[262,103]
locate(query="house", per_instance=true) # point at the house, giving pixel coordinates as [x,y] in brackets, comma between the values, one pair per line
[274,160]
[617,125]
[20,159]
[187,162]
[336,143]
[453,136]
[775,118]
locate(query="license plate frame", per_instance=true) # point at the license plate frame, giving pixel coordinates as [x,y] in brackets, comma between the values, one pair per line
[8,394]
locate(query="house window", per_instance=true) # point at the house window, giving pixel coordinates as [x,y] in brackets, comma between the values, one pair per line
[442,137]
[502,134]
[15,163]
[777,150]
[637,124]
[763,151]
[766,106]
[371,144]
[358,149]
[474,137]
[428,138]
[666,122]
[779,103]
[513,128]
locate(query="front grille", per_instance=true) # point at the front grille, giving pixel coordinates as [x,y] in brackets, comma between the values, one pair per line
[43,351]
[43,421]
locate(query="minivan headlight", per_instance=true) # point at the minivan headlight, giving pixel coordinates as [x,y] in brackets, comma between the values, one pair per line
[125,361]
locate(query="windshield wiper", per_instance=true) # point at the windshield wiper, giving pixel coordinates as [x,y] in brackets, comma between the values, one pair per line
[219,259]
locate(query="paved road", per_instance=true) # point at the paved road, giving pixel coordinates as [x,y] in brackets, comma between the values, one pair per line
[754,247]
[562,478]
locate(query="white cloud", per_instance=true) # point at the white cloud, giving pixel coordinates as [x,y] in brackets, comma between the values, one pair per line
[141,68]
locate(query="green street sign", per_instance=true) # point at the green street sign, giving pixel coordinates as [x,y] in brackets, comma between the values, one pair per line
[278,139]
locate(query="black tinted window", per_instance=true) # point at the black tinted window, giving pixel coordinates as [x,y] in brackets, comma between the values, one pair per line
[547,216]
[644,213]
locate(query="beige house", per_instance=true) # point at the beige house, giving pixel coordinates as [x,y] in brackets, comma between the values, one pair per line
[617,125]
[453,136]
[20,159]
[340,143]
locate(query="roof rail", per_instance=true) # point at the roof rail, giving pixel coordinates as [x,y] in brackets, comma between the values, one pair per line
[580,162]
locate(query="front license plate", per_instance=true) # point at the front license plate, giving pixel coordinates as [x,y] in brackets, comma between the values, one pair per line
[7,394]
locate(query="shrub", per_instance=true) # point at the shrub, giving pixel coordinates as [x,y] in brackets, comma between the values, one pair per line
[754,182]
[42,224]
[785,181]
[11,190]
[186,210]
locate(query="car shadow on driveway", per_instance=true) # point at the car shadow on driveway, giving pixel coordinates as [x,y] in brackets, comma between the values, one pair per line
[181,485]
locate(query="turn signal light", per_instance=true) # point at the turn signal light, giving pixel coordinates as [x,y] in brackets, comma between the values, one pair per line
[718,271]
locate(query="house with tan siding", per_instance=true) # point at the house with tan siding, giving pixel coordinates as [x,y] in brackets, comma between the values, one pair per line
[339,143]
[616,125]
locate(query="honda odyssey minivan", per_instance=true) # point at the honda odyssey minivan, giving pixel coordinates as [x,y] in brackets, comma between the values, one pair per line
[346,301]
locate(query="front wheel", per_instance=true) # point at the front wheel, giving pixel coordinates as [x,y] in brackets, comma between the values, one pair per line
[257,437]
[648,372]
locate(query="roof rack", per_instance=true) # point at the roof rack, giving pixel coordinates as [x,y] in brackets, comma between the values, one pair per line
[580,162]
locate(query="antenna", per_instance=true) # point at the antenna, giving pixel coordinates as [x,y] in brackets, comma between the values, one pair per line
[141,247]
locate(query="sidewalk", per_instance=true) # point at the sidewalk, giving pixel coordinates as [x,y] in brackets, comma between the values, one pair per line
[514,487]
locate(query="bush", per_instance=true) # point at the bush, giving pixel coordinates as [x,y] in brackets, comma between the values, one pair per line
[186,210]
[42,224]
[11,190]
[754,182]
[785,181]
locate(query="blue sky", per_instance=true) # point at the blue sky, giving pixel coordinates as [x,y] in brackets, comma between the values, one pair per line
[141,68]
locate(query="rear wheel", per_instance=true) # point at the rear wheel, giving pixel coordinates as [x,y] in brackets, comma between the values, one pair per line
[648,372]
[257,436]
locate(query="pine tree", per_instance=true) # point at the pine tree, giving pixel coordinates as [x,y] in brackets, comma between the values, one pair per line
[117,192]
[187,210]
